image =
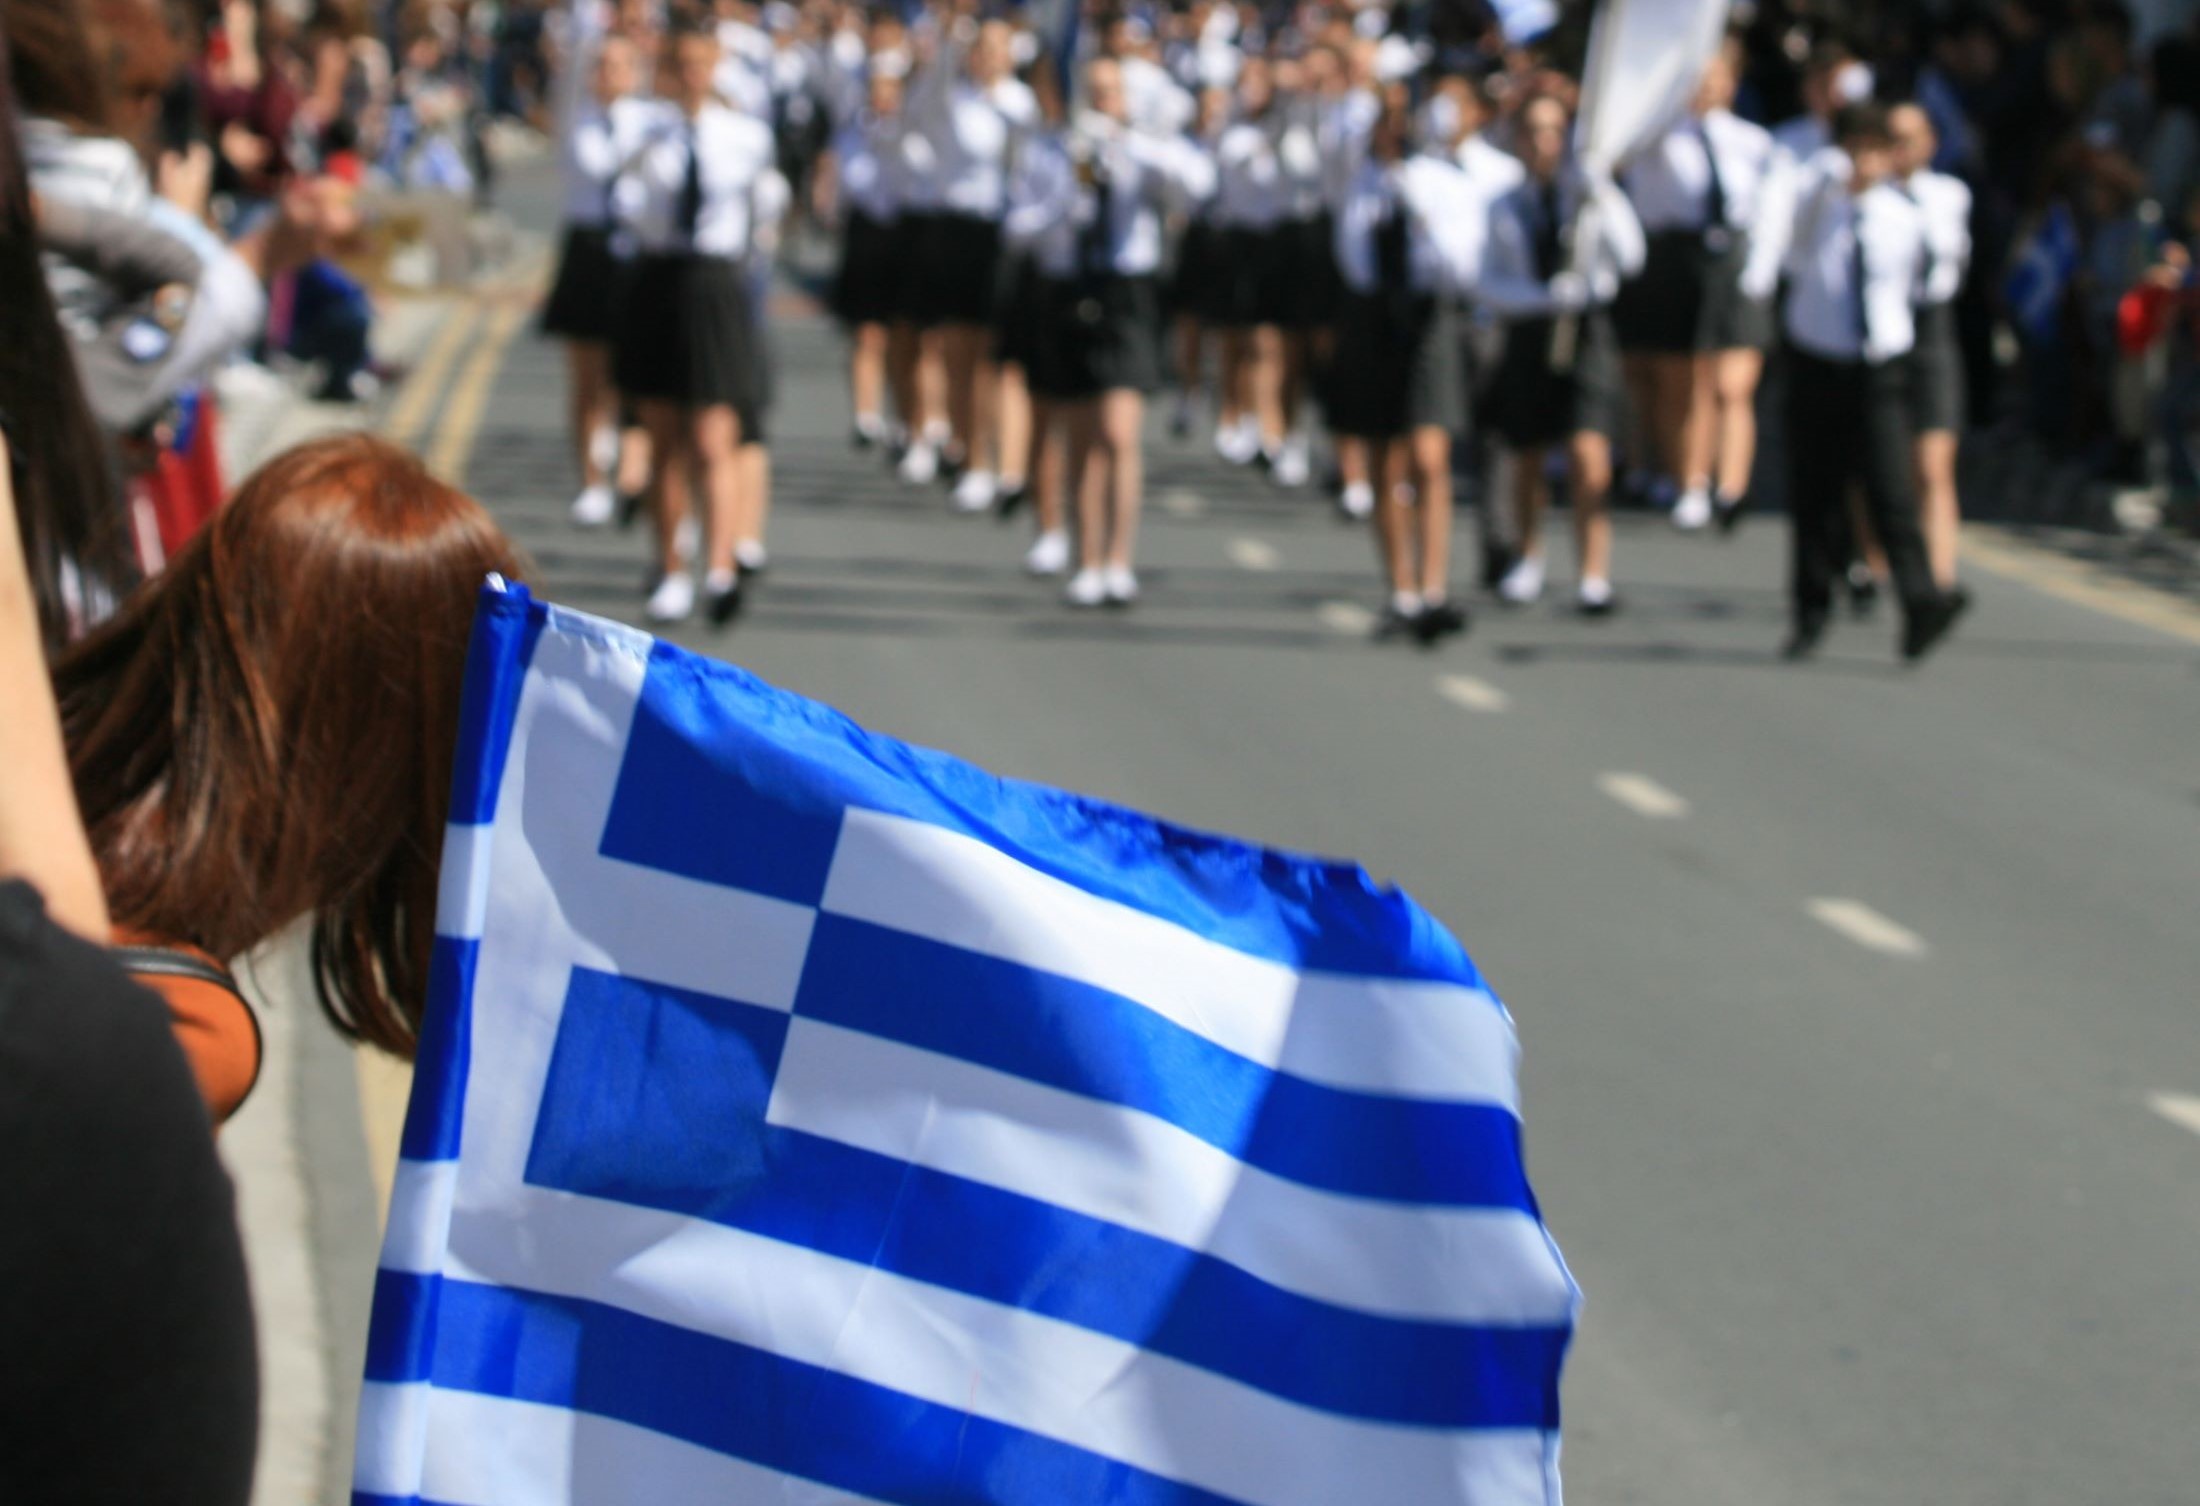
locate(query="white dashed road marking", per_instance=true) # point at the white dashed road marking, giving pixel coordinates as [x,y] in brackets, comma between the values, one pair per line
[2180,1109]
[1254,554]
[1643,795]
[1473,694]
[1179,503]
[1346,617]
[1867,927]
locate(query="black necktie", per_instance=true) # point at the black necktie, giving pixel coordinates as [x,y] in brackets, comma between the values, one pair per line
[1714,198]
[687,210]
[1858,273]
[1548,233]
[1393,261]
[1096,242]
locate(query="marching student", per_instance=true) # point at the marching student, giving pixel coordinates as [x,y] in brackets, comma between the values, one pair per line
[970,111]
[1253,199]
[583,305]
[1853,253]
[1406,231]
[769,202]
[860,180]
[1107,339]
[1684,322]
[687,346]
[1559,249]
[1200,291]
[1937,378]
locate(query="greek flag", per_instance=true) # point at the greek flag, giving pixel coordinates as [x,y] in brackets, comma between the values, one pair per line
[804,1117]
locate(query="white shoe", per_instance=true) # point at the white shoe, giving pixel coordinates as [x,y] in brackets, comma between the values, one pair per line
[920,464]
[603,447]
[595,507]
[1121,585]
[1523,583]
[1240,443]
[975,492]
[1049,553]
[673,600]
[752,556]
[1291,465]
[1358,500]
[1087,588]
[1693,511]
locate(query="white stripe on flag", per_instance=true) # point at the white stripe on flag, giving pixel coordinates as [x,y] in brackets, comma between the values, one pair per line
[462,900]
[420,1216]
[492,1451]
[1461,1265]
[1035,1373]
[1423,1039]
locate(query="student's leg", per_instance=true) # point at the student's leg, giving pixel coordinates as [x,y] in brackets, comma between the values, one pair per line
[755,462]
[715,433]
[1393,520]
[1267,384]
[590,405]
[1012,423]
[1122,424]
[1589,460]
[1939,507]
[1430,448]
[1823,435]
[1890,495]
[1531,494]
[1735,375]
[867,372]
[666,425]
[1088,481]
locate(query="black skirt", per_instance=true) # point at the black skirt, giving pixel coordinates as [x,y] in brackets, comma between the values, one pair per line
[961,269]
[1396,367]
[688,335]
[1258,267]
[1939,394]
[1530,404]
[1673,306]
[1200,288]
[1316,288]
[868,289]
[1017,314]
[1098,335]
[1732,319]
[583,302]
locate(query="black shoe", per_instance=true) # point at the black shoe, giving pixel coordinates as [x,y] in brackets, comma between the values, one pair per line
[1727,512]
[861,439]
[1863,590]
[1926,623]
[1597,609]
[1443,620]
[630,508]
[1010,500]
[1497,563]
[721,607]
[1804,641]
[1394,624]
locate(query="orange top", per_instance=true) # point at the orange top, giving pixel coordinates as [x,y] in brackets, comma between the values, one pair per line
[216,1028]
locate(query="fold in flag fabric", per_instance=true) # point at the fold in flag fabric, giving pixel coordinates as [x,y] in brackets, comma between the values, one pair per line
[804,1117]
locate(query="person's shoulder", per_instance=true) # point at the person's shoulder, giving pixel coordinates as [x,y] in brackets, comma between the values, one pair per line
[1746,134]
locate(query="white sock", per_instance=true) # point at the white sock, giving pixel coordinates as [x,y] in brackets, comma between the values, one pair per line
[1595,590]
[1406,603]
[718,582]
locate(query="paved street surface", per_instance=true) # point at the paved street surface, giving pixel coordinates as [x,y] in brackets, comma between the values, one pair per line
[1860,1006]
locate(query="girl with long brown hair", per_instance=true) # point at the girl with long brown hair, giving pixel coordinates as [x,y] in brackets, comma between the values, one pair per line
[264,734]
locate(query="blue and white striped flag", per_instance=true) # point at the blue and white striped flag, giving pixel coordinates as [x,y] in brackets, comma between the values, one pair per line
[806,1117]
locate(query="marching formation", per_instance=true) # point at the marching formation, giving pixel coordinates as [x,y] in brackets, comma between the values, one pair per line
[1355,256]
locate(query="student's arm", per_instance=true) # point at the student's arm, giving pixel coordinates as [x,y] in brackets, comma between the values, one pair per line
[41,835]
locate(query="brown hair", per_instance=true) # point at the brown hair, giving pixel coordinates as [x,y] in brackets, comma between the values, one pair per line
[266,730]
[57,68]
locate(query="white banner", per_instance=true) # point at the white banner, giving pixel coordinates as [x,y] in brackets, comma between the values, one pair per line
[1645,59]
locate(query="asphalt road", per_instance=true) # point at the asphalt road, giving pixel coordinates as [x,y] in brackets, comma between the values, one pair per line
[1855,1000]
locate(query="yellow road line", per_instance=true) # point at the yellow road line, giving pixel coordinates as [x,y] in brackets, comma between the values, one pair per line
[409,414]
[2079,583]
[454,437]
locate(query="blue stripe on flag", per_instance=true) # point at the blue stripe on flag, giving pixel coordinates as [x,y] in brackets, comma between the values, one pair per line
[1086,1040]
[744,1402]
[507,623]
[656,1097]
[438,1102]
[733,782]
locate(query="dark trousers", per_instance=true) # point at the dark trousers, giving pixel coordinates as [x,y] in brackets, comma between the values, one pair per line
[1849,423]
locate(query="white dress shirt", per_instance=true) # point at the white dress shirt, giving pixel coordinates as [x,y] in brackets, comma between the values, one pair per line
[1671,181]
[597,144]
[872,171]
[1250,188]
[1446,223]
[971,128]
[744,76]
[1146,174]
[1605,248]
[1946,204]
[734,152]
[1828,315]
